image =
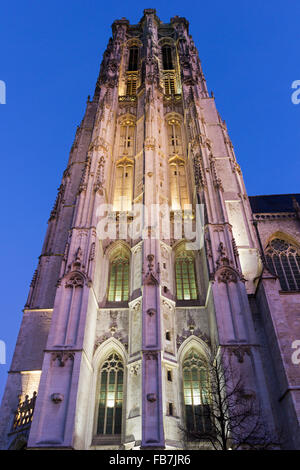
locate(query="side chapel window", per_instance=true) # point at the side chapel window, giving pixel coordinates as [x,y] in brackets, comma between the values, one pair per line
[283,259]
[110,395]
[196,393]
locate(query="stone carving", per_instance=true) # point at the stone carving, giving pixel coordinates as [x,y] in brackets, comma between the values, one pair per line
[120,336]
[85,173]
[191,331]
[137,306]
[92,252]
[150,355]
[151,312]
[113,332]
[57,397]
[59,200]
[227,275]
[198,172]
[151,278]
[61,357]
[150,143]
[99,181]
[239,352]
[223,259]
[135,369]
[151,397]
[76,280]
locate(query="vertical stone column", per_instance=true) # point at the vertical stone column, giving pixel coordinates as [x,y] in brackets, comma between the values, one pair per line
[152,408]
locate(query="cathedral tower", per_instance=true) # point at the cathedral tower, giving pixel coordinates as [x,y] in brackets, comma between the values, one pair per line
[122,313]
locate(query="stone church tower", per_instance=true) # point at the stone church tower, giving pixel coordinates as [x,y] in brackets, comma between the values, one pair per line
[116,329]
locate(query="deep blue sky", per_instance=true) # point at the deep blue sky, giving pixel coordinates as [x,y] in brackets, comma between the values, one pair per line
[50,57]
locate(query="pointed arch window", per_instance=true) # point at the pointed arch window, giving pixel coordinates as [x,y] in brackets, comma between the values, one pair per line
[111,380]
[118,288]
[186,288]
[174,138]
[169,83]
[133,59]
[127,132]
[167,58]
[123,185]
[131,85]
[178,183]
[196,393]
[283,259]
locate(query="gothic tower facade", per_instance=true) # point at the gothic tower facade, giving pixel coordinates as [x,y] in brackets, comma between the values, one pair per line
[116,328]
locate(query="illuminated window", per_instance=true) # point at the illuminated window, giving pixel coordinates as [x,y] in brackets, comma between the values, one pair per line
[185,277]
[169,82]
[133,59]
[123,185]
[118,289]
[110,396]
[174,138]
[178,183]
[196,393]
[123,181]
[127,139]
[131,85]
[283,259]
[167,58]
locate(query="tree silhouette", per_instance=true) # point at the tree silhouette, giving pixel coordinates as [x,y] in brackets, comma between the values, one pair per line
[232,419]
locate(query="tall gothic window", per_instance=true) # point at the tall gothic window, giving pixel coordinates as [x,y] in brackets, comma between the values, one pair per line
[127,139]
[111,396]
[284,259]
[123,185]
[169,83]
[133,59]
[196,393]
[186,288]
[123,181]
[178,183]
[174,138]
[131,85]
[167,58]
[118,287]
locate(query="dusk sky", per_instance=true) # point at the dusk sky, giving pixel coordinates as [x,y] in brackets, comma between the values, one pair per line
[50,59]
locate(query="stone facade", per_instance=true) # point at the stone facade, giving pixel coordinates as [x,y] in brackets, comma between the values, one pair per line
[152,135]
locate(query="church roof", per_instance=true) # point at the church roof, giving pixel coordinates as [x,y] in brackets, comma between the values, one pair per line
[273,203]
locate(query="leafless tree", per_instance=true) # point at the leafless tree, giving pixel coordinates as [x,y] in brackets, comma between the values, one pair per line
[233,419]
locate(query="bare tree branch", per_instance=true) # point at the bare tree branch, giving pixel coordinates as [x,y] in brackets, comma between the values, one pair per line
[233,418]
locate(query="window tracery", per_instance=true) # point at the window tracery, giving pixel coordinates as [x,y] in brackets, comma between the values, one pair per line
[196,392]
[283,259]
[111,378]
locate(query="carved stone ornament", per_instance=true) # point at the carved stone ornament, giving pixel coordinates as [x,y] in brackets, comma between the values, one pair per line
[151,397]
[62,357]
[75,281]
[57,397]
[192,331]
[151,312]
[135,369]
[113,332]
[150,355]
[239,352]
[227,276]
[151,278]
